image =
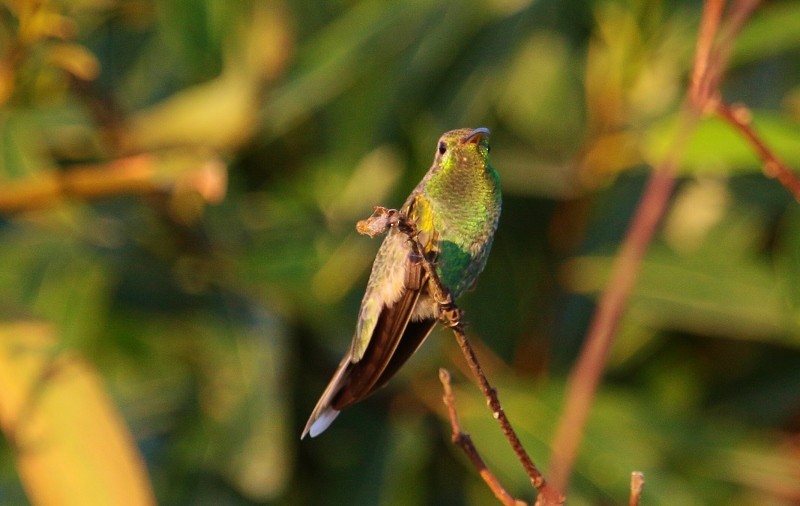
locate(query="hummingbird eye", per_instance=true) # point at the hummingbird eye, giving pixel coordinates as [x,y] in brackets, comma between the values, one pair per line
[442,148]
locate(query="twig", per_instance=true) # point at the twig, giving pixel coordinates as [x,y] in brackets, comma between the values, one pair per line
[740,118]
[712,51]
[706,73]
[710,59]
[709,64]
[464,441]
[451,316]
[637,485]
[591,363]
[381,220]
[137,174]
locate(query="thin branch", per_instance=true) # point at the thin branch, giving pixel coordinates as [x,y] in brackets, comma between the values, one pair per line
[740,118]
[738,16]
[381,220]
[713,50]
[591,363]
[464,441]
[710,59]
[451,316]
[637,486]
[137,174]
[705,75]
[708,65]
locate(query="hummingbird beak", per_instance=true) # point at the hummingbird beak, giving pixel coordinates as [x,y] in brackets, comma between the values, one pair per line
[475,136]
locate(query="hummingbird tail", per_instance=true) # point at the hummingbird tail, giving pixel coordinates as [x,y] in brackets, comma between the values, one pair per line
[323,414]
[319,425]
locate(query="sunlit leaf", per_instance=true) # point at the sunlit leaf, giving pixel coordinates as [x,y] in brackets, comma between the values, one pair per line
[71,445]
[715,147]
[75,59]
[770,32]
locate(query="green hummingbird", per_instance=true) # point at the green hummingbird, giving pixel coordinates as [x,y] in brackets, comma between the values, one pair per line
[455,208]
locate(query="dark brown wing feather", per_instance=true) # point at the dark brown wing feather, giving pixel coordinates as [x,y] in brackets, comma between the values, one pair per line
[415,334]
[394,333]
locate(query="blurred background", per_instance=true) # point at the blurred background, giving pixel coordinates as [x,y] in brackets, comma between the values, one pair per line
[179,184]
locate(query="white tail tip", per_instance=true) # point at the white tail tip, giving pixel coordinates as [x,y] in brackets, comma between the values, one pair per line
[322,422]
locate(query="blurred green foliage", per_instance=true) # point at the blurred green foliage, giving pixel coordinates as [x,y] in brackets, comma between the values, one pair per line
[217,322]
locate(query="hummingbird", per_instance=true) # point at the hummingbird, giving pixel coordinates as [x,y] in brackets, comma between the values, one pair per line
[455,209]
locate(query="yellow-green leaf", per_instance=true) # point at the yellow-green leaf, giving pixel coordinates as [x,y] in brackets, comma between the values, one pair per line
[71,445]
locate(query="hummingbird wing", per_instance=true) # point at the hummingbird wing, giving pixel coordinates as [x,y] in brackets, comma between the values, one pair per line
[395,318]
[395,337]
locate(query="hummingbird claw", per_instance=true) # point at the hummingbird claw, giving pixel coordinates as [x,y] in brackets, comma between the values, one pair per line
[450,315]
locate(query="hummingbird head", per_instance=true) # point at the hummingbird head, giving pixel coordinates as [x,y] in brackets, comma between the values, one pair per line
[464,146]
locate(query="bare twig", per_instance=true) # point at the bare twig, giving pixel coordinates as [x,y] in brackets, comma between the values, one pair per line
[637,485]
[706,73]
[380,221]
[464,441]
[737,17]
[587,371]
[451,315]
[740,118]
[709,62]
[144,173]
[712,51]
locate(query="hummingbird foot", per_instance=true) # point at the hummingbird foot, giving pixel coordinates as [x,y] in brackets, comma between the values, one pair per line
[450,315]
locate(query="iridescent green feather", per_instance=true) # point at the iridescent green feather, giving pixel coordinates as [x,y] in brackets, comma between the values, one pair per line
[456,208]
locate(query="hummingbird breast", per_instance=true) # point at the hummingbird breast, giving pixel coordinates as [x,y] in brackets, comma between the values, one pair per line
[465,221]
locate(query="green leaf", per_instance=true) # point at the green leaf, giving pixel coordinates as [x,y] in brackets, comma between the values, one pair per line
[715,147]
